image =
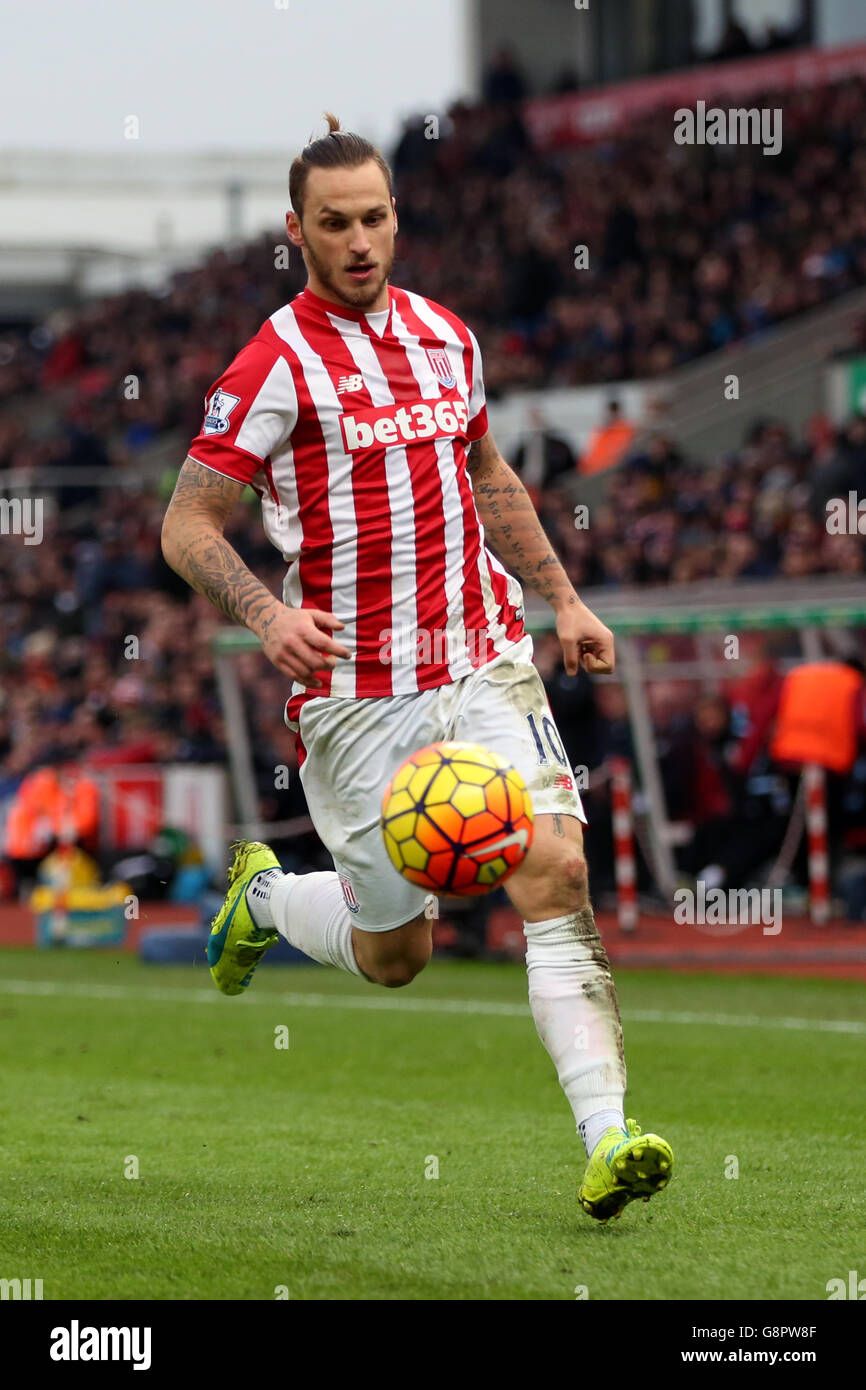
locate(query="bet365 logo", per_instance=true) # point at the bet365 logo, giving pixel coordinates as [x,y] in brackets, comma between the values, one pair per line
[404,423]
[837,1288]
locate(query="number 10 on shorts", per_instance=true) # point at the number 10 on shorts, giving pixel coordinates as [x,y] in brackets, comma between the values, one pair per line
[552,739]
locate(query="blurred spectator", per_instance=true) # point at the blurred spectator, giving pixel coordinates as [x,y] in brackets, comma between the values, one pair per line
[414,149]
[819,714]
[608,442]
[843,471]
[735,42]
[734,835]
[542,458]
[821,720]
[754,700]
[567,81]
[503,80]
[54,806]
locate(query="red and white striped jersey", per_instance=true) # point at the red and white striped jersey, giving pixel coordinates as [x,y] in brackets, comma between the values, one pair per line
[352,428]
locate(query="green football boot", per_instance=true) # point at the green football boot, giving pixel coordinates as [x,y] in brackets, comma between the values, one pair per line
[623,1167]
[236,945]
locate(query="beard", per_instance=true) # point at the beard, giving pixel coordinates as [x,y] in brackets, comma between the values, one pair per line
[356,296]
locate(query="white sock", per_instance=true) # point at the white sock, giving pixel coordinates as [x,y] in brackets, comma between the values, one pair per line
[574,1005]
[258,896]
[592,1129]
[309,911]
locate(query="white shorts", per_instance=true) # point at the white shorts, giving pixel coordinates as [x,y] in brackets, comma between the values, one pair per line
[354,746]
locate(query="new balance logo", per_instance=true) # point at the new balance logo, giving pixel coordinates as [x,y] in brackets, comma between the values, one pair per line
[350,383]
[410,421]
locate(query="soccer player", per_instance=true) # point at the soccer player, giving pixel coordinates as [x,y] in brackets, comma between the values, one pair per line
[357,413]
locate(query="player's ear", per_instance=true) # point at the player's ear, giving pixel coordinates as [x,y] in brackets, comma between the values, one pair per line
[293,229]
[394,210]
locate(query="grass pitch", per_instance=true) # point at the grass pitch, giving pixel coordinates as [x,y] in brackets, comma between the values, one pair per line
[307,1170]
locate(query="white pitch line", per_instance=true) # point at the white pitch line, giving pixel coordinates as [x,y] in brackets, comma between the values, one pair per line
[311,1001]
[807,1025]
[401,1004]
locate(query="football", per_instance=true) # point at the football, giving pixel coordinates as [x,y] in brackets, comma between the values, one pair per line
[457,818]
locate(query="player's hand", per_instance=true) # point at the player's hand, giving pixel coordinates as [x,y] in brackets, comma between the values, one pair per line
[297,641]
[585,640]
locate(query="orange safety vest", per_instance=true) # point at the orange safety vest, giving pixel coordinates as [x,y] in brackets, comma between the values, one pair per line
[605,446]
[817,718]
[42,809]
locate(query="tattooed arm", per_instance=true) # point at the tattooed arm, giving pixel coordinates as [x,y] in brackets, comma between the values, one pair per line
[295,640]
[516,534]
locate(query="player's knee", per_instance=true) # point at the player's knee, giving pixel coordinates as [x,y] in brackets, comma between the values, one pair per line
[401,967]
[400,972]
[565,881]
[577,874]
[396,976]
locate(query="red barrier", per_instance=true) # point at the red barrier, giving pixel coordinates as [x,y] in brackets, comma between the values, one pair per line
[625,868]
[816,830]
[583,117]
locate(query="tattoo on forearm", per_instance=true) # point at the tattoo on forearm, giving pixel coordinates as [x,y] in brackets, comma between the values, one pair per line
[214,569]
[557,827]
[512,526]
[203,500]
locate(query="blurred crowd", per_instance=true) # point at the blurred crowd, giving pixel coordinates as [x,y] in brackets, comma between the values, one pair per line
[689,249]
[761,512]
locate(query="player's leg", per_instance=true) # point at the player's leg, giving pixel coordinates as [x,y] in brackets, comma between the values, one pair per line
[311,912]
[571,990]
[363,917]
[573,1000]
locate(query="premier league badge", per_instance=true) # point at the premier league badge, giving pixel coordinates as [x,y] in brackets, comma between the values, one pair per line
[222,403]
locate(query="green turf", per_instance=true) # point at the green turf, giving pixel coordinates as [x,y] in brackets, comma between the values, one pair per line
[305,1168]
